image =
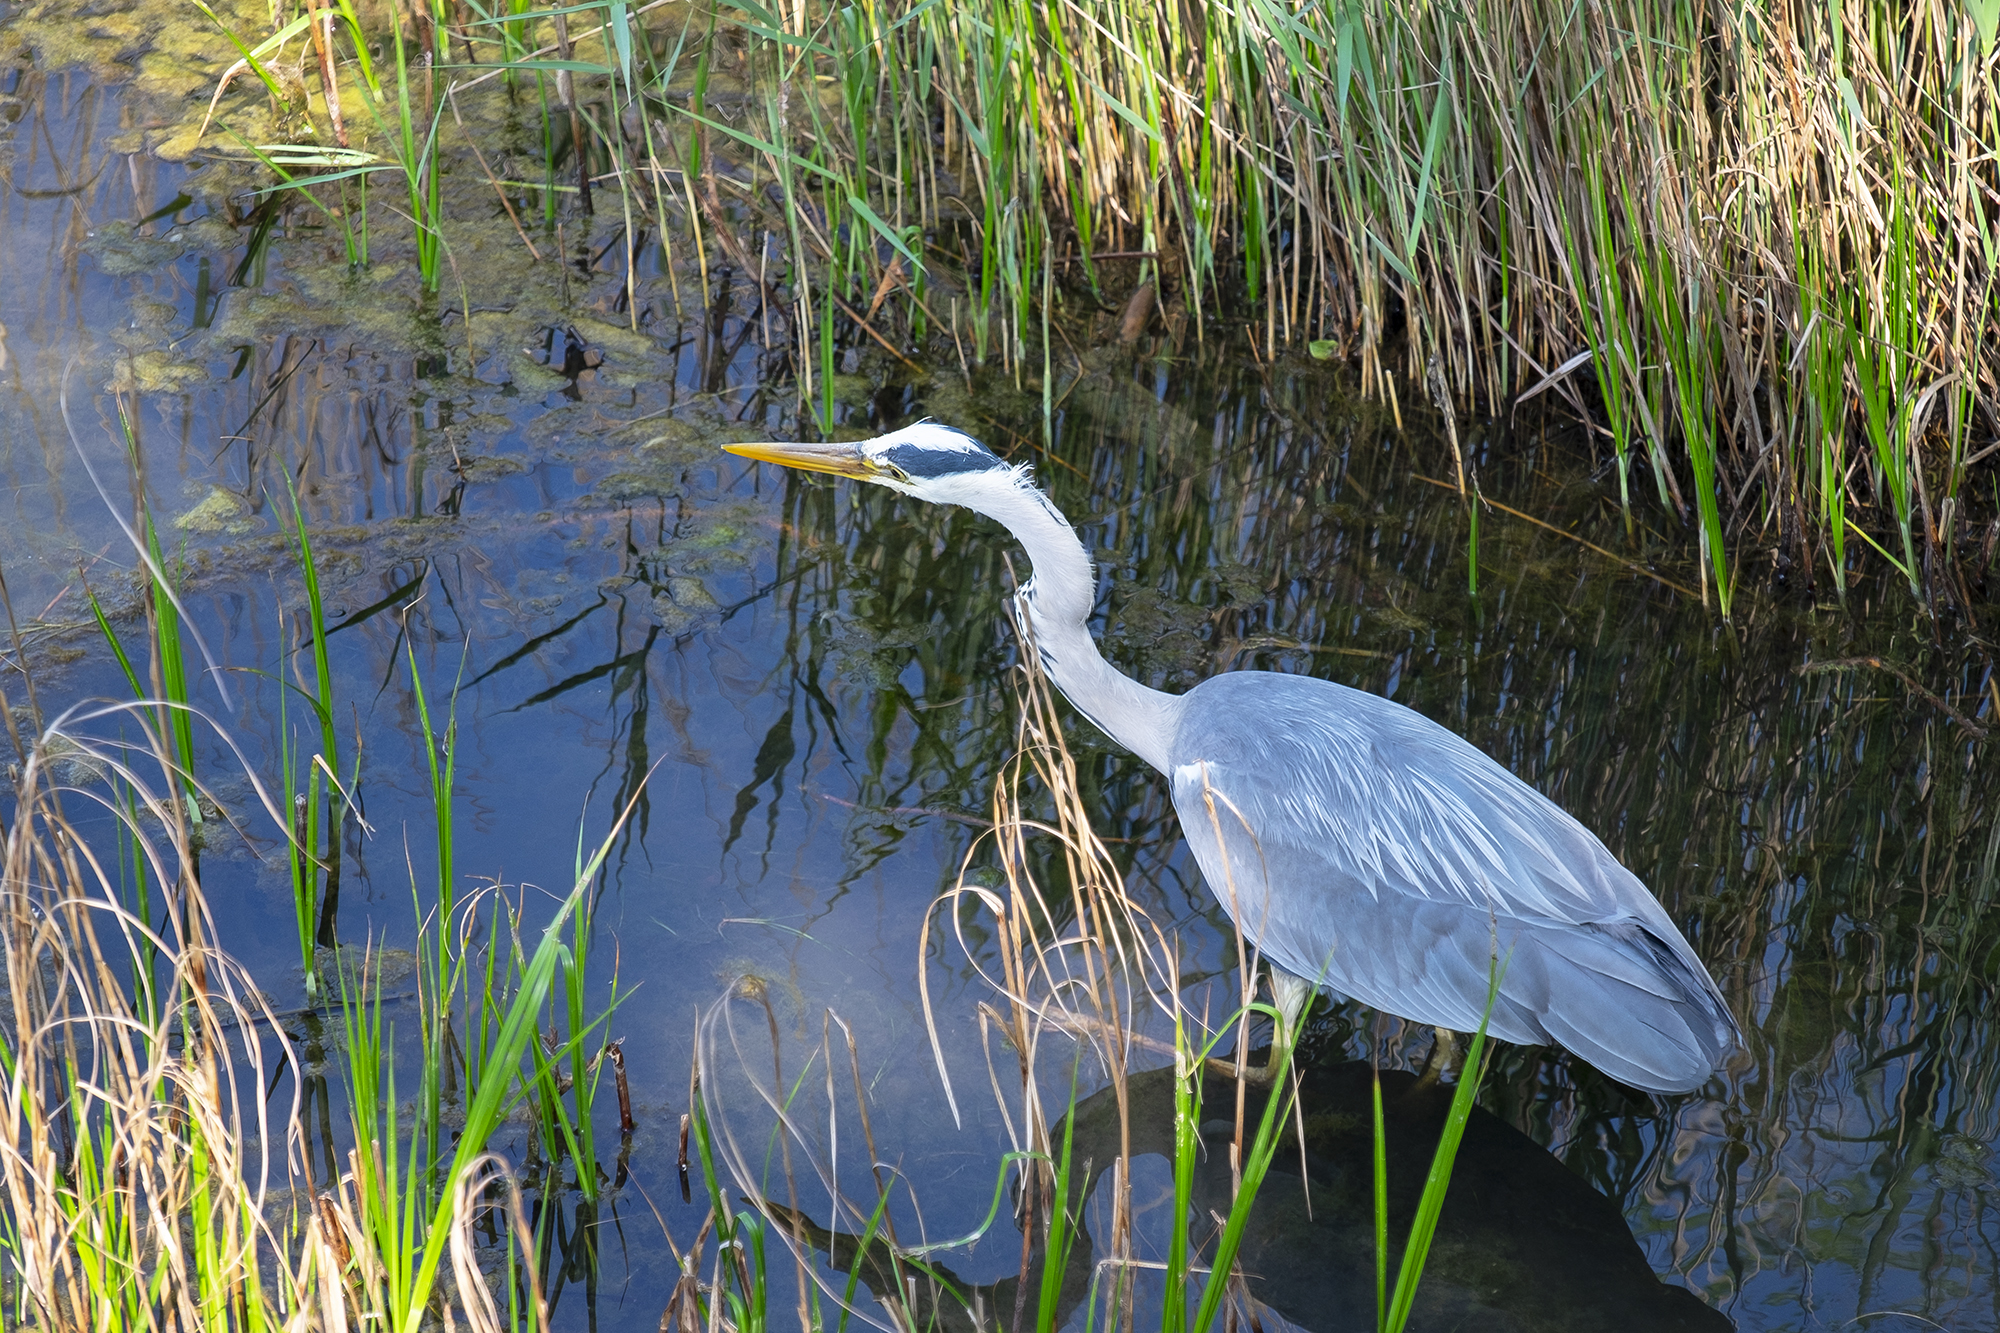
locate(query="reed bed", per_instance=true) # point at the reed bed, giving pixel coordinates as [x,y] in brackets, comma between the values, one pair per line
[137,1173]
[148,1178]
[1750,246]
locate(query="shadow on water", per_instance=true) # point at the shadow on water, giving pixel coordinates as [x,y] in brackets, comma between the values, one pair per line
[1522,1243]
[813,676]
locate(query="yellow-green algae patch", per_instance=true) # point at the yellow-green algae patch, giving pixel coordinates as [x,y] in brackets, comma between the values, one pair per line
[617,339]
[155,372]
[121,250]
[220,511]
[167,55]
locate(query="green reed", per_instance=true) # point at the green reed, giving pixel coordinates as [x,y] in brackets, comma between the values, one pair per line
[126,1081]
[166,692]
[319,810]
[400,103]
[439,962]
[1818,366]
[1269,1139]
[1393,1305]
[1594,254]
[305,859]
[168,684]
[1472,195]
[407,1206]
[467,1006]
[1885,351]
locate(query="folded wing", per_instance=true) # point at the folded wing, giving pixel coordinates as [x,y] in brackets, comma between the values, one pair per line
[1362,845]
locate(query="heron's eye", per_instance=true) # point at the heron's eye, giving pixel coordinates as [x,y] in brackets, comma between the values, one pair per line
[895,473]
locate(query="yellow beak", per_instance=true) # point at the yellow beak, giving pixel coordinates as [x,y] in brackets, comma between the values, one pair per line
[842,460]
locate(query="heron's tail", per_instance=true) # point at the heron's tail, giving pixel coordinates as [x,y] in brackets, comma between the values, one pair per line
[1640,1008]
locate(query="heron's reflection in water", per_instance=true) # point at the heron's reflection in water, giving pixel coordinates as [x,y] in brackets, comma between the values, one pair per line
[1523,1243]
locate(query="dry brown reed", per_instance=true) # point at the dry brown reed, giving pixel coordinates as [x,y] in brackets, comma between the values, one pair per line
[137,1163]
[1078,975]
[147,1178]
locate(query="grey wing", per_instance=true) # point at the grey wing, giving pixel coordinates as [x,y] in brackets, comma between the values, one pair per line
[1363,846]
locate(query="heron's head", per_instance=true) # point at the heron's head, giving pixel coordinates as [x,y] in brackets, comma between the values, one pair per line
[927,460]
[946,466]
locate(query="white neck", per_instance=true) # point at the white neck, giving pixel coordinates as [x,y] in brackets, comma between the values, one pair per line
[1055,607]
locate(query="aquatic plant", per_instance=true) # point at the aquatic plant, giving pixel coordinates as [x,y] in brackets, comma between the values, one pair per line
[1490,200]
[138,1189]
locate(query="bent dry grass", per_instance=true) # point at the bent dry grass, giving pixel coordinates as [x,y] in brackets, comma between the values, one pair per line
[145,1180]
[1477,203]
[147,1177]
[1076,976]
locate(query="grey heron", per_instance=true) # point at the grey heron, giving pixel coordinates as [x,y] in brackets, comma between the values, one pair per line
[1358,844]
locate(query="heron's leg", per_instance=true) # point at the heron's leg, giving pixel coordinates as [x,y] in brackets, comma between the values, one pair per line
[1447,1058]
[1294,996]
[1291,995]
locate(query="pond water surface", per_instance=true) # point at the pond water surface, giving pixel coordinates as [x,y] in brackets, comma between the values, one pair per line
[806,689]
